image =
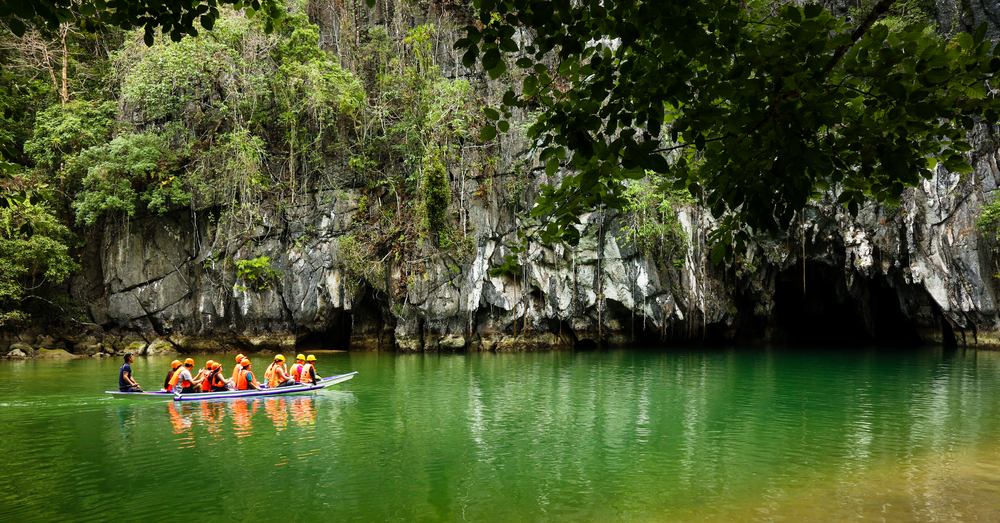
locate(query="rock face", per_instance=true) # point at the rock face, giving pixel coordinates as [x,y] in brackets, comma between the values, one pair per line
[919,272]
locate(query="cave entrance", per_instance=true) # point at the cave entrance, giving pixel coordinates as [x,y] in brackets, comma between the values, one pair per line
[827,314]
[336,336]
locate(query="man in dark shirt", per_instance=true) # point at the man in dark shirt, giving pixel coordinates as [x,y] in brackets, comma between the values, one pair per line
[125,381]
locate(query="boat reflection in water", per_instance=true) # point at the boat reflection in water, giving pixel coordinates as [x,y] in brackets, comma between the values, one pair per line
[191,421]
[243,411]
[180,418]
[304,411]
[212,416]
[277,410]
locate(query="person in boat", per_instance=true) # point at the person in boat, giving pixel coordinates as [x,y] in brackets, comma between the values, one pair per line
[296,372]
[245,379]
[309,371]
[173,368]
[237,368]
[182,382]
[278,363]
[279,377]
[206,386]
[214,381]
[125,381]
[203,376]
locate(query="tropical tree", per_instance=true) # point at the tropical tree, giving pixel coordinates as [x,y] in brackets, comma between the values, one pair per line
[753,107]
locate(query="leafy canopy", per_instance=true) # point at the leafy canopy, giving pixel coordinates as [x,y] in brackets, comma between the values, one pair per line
[33,253]
[753,109]
[174,17]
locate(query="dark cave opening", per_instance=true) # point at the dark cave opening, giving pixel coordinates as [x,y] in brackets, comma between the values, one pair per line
[823,312]
[336,336]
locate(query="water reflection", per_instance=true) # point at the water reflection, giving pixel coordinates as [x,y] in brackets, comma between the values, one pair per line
[243,411]
[304,411]
[277,410]
[236,416]
[606,436]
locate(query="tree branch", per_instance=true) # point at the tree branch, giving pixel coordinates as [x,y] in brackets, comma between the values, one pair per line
[877,11]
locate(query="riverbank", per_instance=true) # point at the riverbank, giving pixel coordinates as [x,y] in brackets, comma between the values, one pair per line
[35,343]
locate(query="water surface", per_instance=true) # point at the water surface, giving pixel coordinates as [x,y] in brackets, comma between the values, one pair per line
[632,436]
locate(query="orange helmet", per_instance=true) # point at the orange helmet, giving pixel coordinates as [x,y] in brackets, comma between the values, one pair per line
[175,364]
[216,365]
[189,361]
[245,362]
[239,358]
[208,364]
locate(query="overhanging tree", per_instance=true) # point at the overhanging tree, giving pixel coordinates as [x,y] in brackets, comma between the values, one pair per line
[174,17]
[753,107]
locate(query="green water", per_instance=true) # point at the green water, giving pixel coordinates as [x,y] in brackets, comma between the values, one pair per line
[636,436]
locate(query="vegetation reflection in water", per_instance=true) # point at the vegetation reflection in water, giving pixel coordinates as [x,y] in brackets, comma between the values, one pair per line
[718,435]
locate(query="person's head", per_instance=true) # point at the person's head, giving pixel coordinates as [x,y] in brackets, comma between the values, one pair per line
[300,358]
[311,358]
[279,358]
[245,363]
[208,364]
[216,366]
[174,364]
[189,363]
[239,358]
[128,357]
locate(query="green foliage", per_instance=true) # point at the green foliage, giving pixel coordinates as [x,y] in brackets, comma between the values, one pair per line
[34,253]
[311,91]
[900,14]
[227,104]
[62,131]
[650,221]
[180,81]
[436,192]
[174,17]
[356,252]
[989,220]
[256,273]
[21,97]
[754,111]
[120,175]
[411,107]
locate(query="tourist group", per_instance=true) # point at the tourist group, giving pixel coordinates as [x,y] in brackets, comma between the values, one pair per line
[211,379]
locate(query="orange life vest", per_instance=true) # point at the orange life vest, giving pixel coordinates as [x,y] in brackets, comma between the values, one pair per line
[306,376]
[241,380]
[297,372]
[211,380]
[275,379]
[269,371]
[236,370]
[175,376]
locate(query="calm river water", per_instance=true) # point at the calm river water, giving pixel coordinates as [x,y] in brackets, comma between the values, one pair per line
[634,436]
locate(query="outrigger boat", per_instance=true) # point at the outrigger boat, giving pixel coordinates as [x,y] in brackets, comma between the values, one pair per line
[197,396]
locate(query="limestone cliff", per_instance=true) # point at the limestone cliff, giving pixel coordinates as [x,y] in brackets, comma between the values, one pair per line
[917,273]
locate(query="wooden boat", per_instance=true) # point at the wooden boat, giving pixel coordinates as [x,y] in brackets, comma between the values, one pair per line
[302,387]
